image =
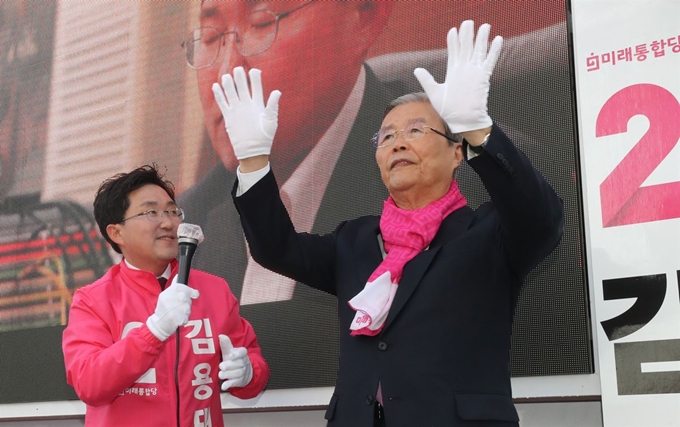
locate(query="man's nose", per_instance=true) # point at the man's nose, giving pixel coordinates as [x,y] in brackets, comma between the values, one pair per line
[400,143]
[229,56]
[166,222]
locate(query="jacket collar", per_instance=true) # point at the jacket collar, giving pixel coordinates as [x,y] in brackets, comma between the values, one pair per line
[145,280]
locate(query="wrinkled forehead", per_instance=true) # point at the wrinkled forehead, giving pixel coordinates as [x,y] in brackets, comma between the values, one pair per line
[404,124]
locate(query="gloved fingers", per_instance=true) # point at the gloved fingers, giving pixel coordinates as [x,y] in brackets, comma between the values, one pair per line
[426,81]
[481,44]
[272,110]
[174,283]
[466,35]
[193,293]
[225,346]
[237,353]
[229,384]
[220,98]
[232,374]
[255,76]
[227,365]
[230,89]
[185,291]
[241,85]
[494,54]
[453,49]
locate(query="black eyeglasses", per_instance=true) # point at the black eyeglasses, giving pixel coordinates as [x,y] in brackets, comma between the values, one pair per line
[155,216]
[255,35]
[411,132]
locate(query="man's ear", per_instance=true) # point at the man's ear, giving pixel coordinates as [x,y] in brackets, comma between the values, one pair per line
[115,233]
[373,18]
[459,157]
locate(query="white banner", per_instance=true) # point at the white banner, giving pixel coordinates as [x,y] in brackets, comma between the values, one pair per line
[627,59]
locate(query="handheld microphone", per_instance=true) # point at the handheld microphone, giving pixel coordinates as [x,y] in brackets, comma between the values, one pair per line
[188,236]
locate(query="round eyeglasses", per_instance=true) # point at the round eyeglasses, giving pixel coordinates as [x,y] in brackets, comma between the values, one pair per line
[155,216]
[252,36]
[385,138]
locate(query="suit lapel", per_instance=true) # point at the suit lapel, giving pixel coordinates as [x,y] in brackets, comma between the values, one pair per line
[368,254]
[453,225]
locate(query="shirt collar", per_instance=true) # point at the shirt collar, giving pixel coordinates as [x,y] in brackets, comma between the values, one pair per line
[306,186]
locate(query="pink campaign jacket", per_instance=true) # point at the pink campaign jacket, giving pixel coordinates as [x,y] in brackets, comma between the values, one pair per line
[126,375]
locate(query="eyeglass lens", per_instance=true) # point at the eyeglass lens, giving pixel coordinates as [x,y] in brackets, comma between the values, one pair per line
[410,132]
[252,37]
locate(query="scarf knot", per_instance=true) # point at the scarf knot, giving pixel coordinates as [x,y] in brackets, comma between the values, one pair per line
[405,234]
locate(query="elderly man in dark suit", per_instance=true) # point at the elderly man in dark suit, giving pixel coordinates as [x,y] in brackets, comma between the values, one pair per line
[426,291]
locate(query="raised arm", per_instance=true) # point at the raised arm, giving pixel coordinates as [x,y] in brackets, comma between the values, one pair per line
[531,214]
[272,238]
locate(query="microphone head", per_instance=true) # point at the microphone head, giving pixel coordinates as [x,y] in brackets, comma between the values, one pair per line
[190,233]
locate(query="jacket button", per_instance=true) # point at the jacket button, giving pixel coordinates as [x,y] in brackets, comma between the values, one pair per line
[382,346]
[499,156]
[369,399]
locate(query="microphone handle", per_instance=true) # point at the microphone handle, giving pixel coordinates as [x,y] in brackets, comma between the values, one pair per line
[186,253]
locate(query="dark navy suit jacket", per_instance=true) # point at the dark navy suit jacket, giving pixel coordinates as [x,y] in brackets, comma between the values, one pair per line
[443,355]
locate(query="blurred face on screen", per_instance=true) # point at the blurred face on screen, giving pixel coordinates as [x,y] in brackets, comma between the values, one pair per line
[312,51]
[416,171]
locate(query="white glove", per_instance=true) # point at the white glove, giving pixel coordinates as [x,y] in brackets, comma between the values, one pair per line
[172,310]
[235,367]
[251,126]
[462,99]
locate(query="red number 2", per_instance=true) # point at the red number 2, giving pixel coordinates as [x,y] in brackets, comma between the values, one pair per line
[623,201]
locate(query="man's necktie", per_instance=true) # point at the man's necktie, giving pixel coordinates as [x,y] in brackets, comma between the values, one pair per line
[162,281]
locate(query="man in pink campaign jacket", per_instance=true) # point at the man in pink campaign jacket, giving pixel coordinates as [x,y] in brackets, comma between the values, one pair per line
[141,348]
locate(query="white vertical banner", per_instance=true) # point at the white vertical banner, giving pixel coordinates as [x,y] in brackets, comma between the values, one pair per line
[627,60]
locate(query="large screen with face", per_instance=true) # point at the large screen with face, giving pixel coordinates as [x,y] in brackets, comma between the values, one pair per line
[90,89]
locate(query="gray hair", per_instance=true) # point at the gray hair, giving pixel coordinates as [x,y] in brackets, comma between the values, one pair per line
[422,97]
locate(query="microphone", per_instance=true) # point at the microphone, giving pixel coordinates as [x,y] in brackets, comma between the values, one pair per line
[188,236]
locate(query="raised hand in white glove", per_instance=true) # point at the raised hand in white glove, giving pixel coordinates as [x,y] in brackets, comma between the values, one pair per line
[235,367]
[172,310]
[462,99]
[251,126]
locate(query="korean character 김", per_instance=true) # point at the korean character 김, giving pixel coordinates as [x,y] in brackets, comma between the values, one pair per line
[641,52]
[624,54]
[658,47]
[674,44]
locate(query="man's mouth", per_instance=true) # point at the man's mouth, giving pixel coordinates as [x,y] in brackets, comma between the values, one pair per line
[400,163]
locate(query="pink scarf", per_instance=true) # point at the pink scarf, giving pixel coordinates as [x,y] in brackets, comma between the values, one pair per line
[405,233]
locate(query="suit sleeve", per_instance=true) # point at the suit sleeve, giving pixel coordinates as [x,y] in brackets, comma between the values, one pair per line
[98,368]
[531,214]
[242,334]
[274,243]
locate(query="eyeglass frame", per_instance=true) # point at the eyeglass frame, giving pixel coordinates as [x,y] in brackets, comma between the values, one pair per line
[376,145]
[277,18]
[180,215]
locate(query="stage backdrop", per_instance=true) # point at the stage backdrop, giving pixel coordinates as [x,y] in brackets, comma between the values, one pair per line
[93,88]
